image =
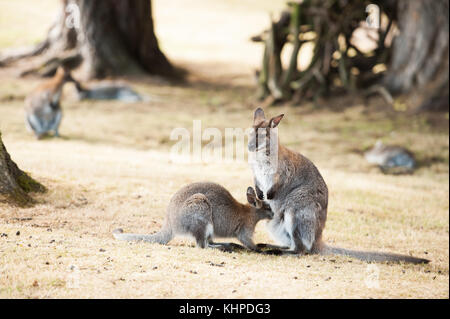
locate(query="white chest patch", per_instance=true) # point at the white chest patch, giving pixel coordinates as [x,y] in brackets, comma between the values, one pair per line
[263,176]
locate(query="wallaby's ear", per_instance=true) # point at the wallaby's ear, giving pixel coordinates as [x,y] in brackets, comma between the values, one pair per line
[60,70]
[274,121]
[251,196]
[259,116]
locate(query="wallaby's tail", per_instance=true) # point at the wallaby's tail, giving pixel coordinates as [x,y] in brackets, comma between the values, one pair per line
[371,256]
[161,237]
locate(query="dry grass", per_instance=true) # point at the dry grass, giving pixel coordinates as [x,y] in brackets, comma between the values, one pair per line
[112,168]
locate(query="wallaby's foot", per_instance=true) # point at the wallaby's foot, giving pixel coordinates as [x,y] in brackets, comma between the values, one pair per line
[279,252]
[269,246]
[201,242]
[226,247]
[236,246]
[222,247]
[273,252]
[118,231]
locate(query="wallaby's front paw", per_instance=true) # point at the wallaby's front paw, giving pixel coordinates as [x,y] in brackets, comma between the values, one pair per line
[259,193]
[270,194]
[118,231]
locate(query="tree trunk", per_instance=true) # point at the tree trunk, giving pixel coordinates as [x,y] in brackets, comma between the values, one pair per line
[117,37]
[420,53]
[15,184]
[108,37]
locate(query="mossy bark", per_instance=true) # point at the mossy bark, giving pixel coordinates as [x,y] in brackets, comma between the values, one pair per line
[14,183]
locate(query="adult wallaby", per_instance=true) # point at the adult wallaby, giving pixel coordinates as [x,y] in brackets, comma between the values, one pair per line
[42,107]
[108,91]
[297,194]
[207,210]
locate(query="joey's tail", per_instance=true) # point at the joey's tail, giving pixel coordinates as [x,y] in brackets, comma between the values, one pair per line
[161,237]
[371,256]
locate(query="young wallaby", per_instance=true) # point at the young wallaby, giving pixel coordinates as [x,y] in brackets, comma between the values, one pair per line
[207,210]
[107,91]
[391,159]
[42,106]
[297,194]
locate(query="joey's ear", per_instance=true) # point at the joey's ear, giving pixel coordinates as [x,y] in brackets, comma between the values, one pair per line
[274,121]
[251,196]
[259,116]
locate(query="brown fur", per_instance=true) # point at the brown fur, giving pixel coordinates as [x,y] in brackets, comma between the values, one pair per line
[297,194]
[42,106]
[207,210]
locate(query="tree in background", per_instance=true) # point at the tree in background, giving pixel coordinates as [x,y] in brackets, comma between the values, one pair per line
[15,184]
[420,52]
[109,37]
[416,62]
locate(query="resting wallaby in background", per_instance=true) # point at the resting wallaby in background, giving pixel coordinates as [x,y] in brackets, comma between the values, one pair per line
[108,91]
[298,196]
[42,106]
[207,210]
[391,159]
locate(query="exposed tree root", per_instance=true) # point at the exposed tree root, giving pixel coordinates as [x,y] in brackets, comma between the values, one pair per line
[338,65]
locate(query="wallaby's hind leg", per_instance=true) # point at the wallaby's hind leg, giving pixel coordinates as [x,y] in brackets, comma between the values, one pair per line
[203,235]
[201,241]
[301,226]
[196,219]
[305,225]
[36,126]
[56,122]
